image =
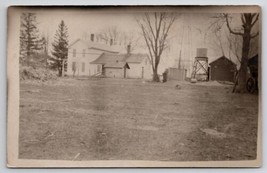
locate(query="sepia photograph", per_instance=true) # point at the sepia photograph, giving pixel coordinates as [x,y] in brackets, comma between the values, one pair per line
[134,86]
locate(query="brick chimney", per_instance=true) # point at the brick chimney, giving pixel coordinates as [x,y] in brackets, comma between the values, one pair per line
[92,37]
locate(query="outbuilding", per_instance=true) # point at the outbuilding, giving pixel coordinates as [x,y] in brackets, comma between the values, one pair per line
[135,66]
[222,69]
[116,69]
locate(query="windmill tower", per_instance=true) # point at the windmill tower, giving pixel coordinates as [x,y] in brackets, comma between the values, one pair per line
[183,60]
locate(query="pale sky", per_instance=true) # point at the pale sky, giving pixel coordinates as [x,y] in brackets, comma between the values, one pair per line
[189,29]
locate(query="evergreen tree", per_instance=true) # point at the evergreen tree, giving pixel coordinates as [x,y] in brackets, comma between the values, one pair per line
[29,37]
[60,47]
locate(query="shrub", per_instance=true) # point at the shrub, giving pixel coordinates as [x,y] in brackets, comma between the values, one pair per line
[31,73]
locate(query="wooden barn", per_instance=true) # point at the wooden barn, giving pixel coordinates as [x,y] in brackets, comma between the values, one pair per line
[222,69]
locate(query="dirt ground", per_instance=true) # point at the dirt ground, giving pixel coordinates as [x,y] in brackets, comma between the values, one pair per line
[123,119]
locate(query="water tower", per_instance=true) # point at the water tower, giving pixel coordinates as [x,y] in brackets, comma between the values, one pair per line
[200,66]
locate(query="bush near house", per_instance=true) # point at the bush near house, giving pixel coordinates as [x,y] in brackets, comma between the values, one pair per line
[36,68]
[31,73]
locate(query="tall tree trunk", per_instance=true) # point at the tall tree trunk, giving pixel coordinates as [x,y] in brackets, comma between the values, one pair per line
[59,71]
[242,77]
[155,74]
[59,68]
[155,28]
[248,21]
[28,54]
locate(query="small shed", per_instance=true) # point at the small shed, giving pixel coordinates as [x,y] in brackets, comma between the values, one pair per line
[177,74]
[116,70]
[222,69]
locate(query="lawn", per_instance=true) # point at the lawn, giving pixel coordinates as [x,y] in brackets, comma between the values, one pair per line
[123,119]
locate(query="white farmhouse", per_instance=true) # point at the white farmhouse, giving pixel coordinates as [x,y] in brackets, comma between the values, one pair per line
[90,58]
[82,52]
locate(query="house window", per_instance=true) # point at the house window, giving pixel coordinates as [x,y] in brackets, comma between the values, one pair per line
[83,52]
[74,66]
[99,68]
[83,66]
[74,53]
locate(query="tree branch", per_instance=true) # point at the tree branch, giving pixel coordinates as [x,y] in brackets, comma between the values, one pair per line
[149,47]
[229,27]
[242,19]
[255,35]
[256,19]
[155,32]
[150,25]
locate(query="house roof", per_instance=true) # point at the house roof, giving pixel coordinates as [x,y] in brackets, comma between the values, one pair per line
[135,58]
[111,58]
[116,65]
[108,58]
[98,46]
[222,57]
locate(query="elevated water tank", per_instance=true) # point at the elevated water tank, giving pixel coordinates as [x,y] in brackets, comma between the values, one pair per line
[202,52]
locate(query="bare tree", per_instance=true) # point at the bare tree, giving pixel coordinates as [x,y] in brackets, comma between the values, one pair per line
[227,43]
[248,22]
[155,28]
[234,43]
[110,35]
[129,38]
[240,40]
[217,29]
[219,42]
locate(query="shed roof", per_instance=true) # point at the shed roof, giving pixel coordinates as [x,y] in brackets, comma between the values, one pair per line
[116,65]
[135,58]
[221,58]
[108,58]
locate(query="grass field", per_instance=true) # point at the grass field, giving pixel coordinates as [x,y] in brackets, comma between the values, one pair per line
[116,119]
